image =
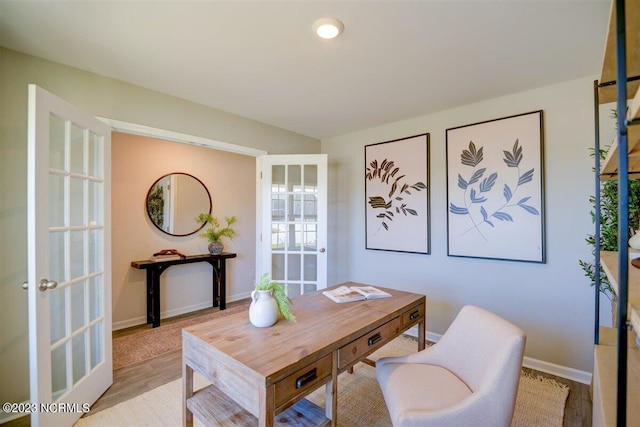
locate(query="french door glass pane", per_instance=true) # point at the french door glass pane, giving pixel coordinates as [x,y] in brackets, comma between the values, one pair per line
[278,206]
[77,253]
[310,237]
[295,207]
[58,371]
[57,306]
[77,305]
[293,267]
[57,257]
[76,150]
[56,142]
[310,267]
[96,344]
[310,178]
[278,177]
[76,200]
[94,167]
[95,250]
[94,199]
[295,237]
[56,200]
[294,178]
[277,266]
[310,207]
[95,297]
[293,289]
[278,236]
[78,359]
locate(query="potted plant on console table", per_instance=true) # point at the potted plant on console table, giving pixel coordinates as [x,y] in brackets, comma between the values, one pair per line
[216,232]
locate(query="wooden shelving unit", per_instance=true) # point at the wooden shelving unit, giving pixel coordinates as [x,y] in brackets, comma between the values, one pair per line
[609,261]
[616,373]
[607,94]
[604,383]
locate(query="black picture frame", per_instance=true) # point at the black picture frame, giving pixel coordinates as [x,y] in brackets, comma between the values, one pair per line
[397,210]
[495,189]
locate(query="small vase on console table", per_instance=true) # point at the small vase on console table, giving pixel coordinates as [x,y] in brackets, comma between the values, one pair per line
[215,248]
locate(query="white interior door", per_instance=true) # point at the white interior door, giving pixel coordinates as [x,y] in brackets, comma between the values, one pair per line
[69,259]
[294,221]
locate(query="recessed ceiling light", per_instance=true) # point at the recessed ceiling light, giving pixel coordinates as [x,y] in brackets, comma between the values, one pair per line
[328,28]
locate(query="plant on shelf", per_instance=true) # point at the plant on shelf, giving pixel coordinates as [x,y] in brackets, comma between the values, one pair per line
[283,301]
[215,232]
[609,229]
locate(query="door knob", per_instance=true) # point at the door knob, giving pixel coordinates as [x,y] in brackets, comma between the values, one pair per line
[47,284]
[322,250]
[25,285]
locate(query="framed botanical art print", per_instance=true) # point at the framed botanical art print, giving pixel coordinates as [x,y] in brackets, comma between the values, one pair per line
[495,189]
[397,195]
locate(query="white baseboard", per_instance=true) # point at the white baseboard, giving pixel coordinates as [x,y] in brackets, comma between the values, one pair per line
[529,362]
[557,370]
[122,324]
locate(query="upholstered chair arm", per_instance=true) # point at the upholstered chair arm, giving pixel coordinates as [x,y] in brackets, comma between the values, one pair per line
[429,355]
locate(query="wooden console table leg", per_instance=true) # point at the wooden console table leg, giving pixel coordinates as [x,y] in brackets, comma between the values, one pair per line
[156,297]
[215,277]
[149,296]
[222,283]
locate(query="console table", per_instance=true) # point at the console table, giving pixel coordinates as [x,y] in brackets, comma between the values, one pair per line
[156,268]
[260,376]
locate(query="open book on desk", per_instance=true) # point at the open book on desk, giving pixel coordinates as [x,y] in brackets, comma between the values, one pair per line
[355,293]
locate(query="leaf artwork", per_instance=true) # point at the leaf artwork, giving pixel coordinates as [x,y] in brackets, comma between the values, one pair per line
[478,189]
[393,202]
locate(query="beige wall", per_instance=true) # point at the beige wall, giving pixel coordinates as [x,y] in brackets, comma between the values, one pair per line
[552,302]
[230,178]
[113,99]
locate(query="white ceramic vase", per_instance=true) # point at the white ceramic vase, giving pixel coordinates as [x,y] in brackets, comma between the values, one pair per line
[263,310]
[634,241]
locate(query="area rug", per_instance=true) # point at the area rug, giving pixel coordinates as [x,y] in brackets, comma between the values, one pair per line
[540,402]
[150,343]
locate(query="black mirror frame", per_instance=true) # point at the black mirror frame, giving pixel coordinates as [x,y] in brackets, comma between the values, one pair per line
[146,200]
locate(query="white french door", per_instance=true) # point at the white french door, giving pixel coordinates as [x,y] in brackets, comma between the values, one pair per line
[69,259]
[293,209]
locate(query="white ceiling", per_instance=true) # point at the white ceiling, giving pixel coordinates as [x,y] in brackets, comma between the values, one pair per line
[260,59]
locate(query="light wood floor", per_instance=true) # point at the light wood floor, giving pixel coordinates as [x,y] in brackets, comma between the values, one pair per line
[136,379]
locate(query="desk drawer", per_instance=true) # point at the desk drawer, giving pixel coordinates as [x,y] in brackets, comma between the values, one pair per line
[302,380]
[412,316]
[368,343]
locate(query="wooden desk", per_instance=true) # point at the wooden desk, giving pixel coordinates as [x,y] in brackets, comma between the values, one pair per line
[258,373]
[156,268]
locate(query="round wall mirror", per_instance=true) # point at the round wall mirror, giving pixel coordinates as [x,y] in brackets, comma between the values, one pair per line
[175,200]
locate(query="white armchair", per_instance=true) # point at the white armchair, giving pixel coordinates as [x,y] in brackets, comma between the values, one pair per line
[468,378]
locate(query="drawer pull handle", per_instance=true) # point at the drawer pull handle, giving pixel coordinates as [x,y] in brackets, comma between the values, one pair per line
[306,378]
[374,339]
[414,315]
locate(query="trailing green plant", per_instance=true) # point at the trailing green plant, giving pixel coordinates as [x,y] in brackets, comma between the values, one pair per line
[155,204]
[264,284]
[216,232]
[609,224]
